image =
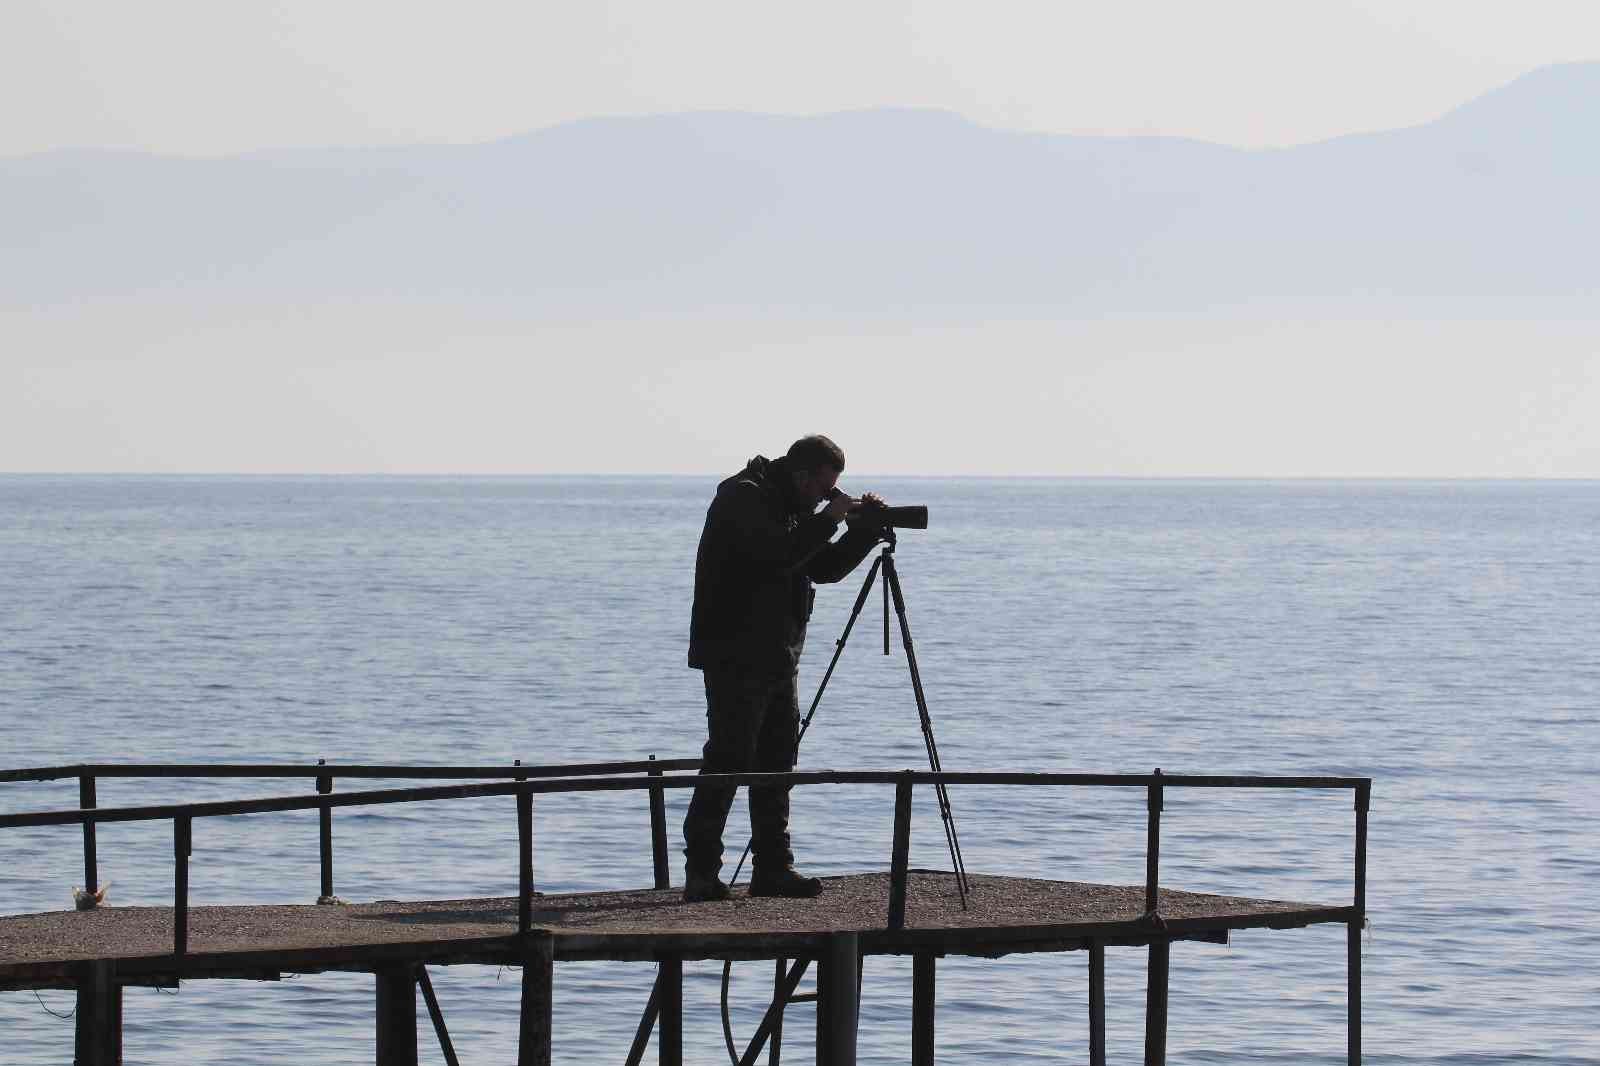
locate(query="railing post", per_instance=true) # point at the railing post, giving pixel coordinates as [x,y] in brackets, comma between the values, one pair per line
[1353,930]
[1363,802]
[182,845]
[658,831]
[325,838]
[524,861]
[1152,853]
[91,862]
[901,856]
[1155,998]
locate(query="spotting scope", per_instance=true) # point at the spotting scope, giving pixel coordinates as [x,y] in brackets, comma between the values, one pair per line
[885,517]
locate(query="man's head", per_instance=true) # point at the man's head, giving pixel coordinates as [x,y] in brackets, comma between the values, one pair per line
[814,463]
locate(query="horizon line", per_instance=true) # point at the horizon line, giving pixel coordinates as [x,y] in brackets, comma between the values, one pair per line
[868,475]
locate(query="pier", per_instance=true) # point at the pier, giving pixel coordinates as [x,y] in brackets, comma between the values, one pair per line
[897,911]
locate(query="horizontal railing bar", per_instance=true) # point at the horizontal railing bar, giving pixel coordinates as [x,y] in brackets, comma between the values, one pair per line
[397,772]
[40,773]
[626,784]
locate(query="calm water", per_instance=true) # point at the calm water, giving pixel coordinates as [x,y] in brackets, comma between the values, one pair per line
[1438,637]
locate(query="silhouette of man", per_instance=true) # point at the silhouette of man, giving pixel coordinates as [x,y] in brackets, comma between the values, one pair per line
[763,545]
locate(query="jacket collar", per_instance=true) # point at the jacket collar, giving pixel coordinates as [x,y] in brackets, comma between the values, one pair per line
[775,473]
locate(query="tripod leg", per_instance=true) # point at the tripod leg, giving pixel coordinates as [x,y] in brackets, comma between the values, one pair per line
[838,645]
[891,578]
[886,609]
[838,650]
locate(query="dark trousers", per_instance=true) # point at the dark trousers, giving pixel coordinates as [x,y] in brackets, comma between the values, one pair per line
[754,726]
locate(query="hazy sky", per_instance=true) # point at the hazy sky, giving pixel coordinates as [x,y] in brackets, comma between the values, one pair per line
[129,387]
[204,77]
[441,392]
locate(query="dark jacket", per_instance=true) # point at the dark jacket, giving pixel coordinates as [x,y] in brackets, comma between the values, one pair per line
[759,553]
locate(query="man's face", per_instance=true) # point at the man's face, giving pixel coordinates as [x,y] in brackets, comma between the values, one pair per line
[814,486]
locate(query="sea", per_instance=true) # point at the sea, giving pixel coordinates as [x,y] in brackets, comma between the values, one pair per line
[1438,637]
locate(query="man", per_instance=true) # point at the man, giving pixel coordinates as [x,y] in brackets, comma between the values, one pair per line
[763,545]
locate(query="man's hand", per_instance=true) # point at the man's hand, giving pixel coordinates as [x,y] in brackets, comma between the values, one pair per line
[861,515]
[839,505]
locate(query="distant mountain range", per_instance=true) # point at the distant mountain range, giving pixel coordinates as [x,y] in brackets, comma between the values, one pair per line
[1493,208]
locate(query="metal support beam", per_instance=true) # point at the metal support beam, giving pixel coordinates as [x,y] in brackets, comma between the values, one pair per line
[779,992]
[397,1016]
[1155,1005]
[837,999]
[647,1024]
[1097,1004]
[922,1008]
[437,1016]
[771,1026]
[538,976]
[669,1025]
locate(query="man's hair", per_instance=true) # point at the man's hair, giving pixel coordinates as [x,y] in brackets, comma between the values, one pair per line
[814,452]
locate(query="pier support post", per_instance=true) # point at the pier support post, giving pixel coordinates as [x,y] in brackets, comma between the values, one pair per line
[669,1024]
[98,1030]
[538,973]
[1097,1004]
[1353,957]
[325,840]
[837,1000]
[397,1016]
[922,1001]
[1155,1005]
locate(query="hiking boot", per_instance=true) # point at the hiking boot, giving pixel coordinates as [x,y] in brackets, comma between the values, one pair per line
[703,887]
[785,881]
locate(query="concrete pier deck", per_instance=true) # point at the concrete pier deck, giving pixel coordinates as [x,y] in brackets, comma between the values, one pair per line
[1006,914]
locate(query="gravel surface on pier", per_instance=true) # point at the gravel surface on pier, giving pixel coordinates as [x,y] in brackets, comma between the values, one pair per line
[851,903]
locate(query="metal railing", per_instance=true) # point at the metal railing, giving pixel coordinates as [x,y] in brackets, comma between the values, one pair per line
[529,781]
[88,774]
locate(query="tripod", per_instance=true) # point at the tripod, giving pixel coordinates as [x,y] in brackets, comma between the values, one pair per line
[891,588]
